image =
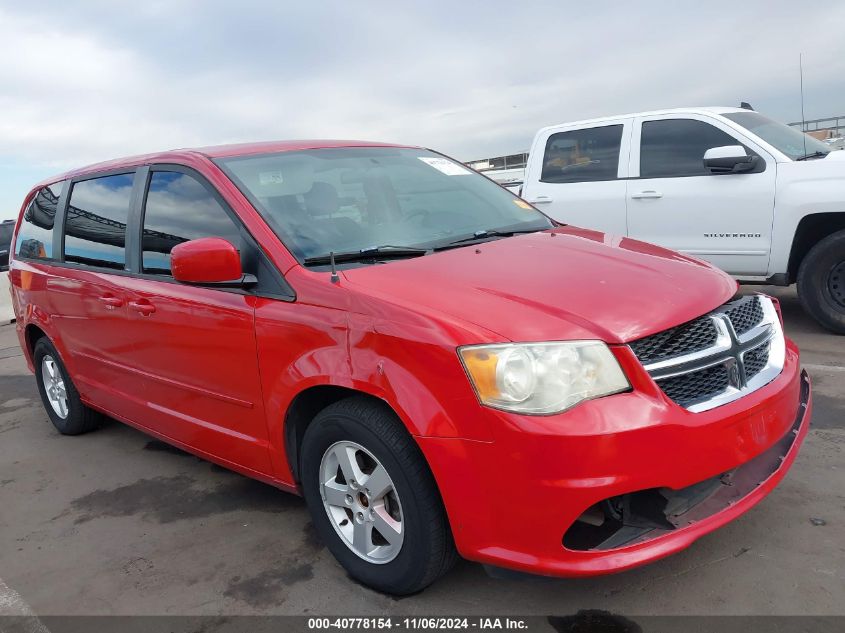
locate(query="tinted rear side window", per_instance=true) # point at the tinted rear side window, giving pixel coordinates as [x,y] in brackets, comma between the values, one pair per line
[35,237]
[675,147]
[179,208]
[5,242]
[583,155]
[95,225]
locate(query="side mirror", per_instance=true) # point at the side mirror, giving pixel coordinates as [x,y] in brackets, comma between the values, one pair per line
[729,159]
[208,261]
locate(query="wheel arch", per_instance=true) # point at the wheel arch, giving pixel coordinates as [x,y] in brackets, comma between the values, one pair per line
[810,231]
[32,333]
[305,406]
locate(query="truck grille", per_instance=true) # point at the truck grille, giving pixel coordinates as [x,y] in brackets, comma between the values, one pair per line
[718,357]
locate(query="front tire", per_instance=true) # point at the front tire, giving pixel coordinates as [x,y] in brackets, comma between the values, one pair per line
[373,499]
[58,393]
[821,282]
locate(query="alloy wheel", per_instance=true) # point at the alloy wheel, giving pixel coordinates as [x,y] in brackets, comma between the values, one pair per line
[54,386]
[361,502]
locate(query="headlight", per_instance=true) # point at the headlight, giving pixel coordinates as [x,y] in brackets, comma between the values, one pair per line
[542,378]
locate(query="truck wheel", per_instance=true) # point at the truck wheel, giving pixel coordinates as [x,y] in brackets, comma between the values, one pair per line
[821,282]
[373,499]
[58,393]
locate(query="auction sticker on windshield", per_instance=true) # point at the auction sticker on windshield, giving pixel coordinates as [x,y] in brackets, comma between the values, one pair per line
[445,166]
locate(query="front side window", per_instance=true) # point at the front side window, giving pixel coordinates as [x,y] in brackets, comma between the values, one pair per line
[788,140]
[179,208]
[670,148]
[354,198]
[35,237]
[95,224]
[585,155]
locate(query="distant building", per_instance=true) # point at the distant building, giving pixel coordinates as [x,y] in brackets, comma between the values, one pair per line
[823,129]
[506,170]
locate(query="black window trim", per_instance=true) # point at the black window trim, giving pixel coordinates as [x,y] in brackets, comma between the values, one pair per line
[134,228]
[761,166]
[61,218]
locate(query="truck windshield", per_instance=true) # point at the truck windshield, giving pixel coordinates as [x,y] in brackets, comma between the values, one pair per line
[788,140]
[351,199]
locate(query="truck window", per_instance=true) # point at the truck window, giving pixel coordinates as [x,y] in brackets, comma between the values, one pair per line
[5,243]
[585,155]
[675,147]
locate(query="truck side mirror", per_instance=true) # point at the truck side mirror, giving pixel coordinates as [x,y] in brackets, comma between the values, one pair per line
[729,159]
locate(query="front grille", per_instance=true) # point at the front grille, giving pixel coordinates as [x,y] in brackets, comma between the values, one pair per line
[683,339]
[756,360]
[689,389]
[710,360]
[745,314]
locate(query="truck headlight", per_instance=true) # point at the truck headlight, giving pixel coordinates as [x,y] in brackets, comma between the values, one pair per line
[542,378]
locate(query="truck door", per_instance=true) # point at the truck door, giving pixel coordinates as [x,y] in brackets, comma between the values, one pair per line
[674,201]
[575,174]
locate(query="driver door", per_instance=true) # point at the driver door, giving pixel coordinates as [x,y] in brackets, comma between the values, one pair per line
[674,201]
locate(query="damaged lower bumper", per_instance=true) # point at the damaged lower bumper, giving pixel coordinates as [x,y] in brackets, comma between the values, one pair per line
[640,516]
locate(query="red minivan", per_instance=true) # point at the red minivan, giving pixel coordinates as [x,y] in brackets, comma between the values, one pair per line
[435,365]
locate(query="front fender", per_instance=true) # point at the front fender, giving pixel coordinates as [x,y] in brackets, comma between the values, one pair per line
[420,377]
[802,193]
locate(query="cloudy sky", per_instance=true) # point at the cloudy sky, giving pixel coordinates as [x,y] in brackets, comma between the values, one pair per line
[87,81]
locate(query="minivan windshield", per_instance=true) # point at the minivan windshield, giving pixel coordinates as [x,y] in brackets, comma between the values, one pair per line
[788,140]
[376,200]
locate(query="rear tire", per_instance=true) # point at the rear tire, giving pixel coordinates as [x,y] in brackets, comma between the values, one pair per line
[58,393]
[420,548]
[821,282]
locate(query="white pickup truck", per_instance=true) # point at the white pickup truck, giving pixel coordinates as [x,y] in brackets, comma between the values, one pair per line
[757,198]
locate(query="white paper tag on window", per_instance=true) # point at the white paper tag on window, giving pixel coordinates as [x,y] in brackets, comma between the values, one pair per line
[445,166]
[270,178]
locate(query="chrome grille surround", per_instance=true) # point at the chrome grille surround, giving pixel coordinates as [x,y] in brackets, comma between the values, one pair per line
[750,359]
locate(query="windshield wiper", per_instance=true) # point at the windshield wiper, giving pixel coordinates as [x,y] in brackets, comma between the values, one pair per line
[817,154]
[386,251]
[484,234]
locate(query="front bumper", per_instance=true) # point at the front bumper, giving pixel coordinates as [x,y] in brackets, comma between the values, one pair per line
[511,501]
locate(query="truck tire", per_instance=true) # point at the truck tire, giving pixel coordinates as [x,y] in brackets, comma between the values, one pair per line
[821,282]
[361,470]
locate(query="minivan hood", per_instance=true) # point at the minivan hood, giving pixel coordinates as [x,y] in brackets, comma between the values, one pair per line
[564,283]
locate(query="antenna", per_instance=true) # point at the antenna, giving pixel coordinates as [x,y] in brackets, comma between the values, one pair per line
[803,120]
[335,277]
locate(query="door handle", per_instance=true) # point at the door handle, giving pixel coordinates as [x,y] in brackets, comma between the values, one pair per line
[111,302]
[540,200]
[650,193]
[143,306]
